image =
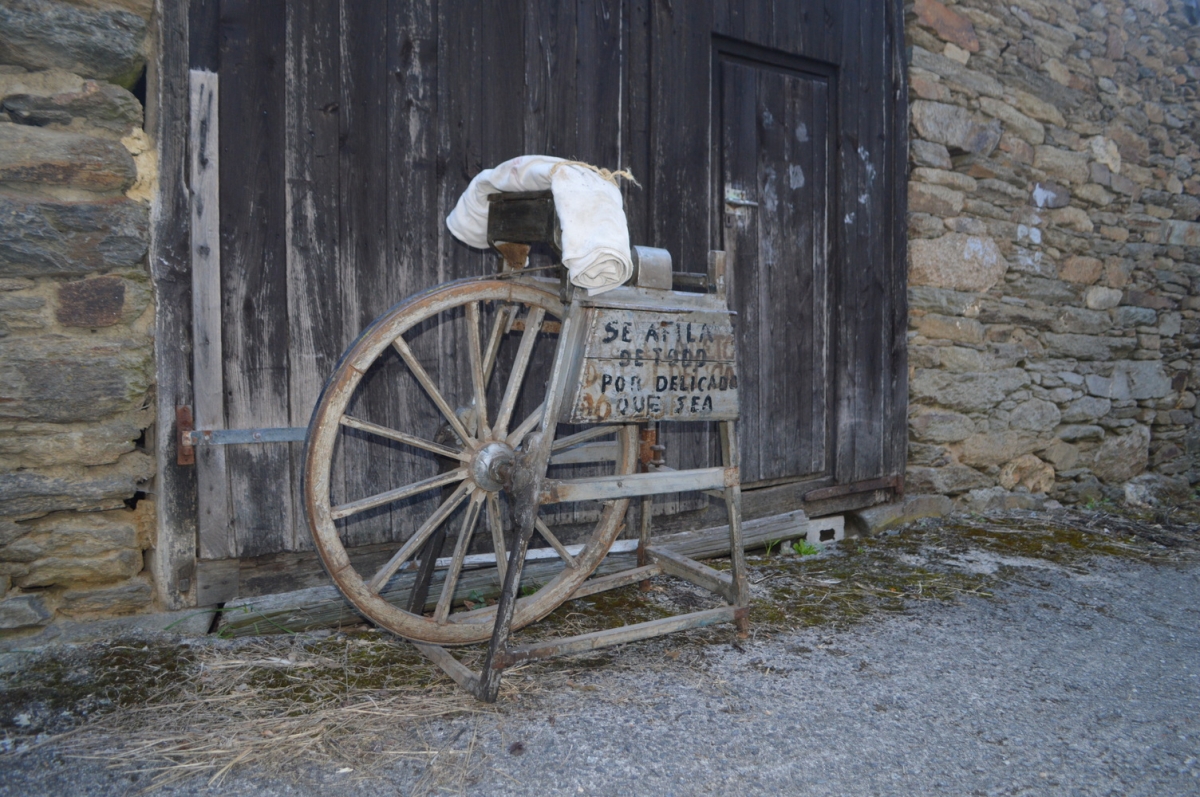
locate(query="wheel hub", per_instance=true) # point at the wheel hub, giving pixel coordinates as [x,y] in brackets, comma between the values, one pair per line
[492,466]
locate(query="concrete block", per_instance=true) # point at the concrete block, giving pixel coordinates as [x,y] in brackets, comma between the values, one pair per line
[875,519]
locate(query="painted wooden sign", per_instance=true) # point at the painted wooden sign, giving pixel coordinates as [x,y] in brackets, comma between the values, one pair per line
[654,365]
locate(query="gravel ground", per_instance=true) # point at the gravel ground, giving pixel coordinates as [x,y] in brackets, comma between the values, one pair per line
[1064,683]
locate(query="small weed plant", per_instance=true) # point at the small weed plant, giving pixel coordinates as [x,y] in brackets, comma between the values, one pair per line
[806,548]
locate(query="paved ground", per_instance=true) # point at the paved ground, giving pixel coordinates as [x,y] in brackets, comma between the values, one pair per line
[1065,683]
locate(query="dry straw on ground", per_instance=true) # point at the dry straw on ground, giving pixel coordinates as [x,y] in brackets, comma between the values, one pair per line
[356,701]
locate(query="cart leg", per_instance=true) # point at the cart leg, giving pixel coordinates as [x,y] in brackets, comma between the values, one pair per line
[733,509]
[527,478]
[643,559]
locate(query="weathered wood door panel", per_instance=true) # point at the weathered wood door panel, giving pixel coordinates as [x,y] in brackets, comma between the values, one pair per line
[348,130]
[775,137]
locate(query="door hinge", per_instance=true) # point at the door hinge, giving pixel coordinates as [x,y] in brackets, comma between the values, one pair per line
[185,454]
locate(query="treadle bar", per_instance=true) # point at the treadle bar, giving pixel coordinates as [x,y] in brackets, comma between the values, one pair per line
[615,636]
[701,575]
[608,488]
[450,665]
[616,580]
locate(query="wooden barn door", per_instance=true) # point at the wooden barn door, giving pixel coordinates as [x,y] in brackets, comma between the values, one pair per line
[330,138]
[775,195]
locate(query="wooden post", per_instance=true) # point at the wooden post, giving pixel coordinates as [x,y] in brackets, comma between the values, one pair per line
[173,560]
[216,537]
[527,488]
[733,509]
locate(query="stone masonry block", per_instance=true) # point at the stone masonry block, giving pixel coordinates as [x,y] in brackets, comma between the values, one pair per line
[56,158]
[42,445]
[55,98]
[22,611]
[969,392]
[74,535]
[103,487]
[1071,167]
[1120,458]
[134,595]
[937,200]
[1081,269]
[95,302]
[948,480]
[1089,347]
[74,570]
[64,379]
[104,42]
[939,426]
[955,127]
[49,238]
[1028,129]
[956,261]
[949,25]
[955,328]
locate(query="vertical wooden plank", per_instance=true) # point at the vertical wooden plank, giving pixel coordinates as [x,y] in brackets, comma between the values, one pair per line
[681,158]
[746,20]
[872,162]
[819,391]
[460,134]
[847,368]
[414,221]
[203,26]
[551,76]
[502,92]
[786,291]
[216,540]
[254,268]
[315,328]
[739,199]
[367,286]
[598,83]
[167,114]
[635,115]
[864,301]
[896,410]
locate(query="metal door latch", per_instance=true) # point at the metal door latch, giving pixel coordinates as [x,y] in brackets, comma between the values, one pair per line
[189,438]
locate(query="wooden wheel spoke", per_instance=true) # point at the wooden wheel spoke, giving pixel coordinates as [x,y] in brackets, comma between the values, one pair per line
[582,437]
[418,538]
[528,425]
[478,377]
[416,442]
[499,326]
[402,348]
[470,520]
[363,504]
[532,325]
[558,547]
[496,524]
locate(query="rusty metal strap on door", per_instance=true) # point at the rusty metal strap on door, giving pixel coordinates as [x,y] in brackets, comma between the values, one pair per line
[233,437]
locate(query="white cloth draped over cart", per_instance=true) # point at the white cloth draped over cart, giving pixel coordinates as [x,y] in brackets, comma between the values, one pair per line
[595,235]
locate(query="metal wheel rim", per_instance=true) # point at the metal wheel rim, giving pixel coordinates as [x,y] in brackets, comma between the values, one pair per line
[466,627]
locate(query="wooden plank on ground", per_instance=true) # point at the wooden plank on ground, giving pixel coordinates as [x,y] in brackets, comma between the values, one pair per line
[323,607]
[614,636]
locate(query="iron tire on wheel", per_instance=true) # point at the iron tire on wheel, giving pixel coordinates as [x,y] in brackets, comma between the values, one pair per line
[475,484]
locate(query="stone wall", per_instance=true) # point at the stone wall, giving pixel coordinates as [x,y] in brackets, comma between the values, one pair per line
[76,359]
[1054,291]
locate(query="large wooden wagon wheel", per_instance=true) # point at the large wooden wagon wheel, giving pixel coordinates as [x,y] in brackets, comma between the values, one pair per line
[463,442]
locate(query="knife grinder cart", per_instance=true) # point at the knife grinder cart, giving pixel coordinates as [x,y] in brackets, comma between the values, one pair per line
[502,451]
